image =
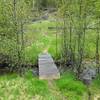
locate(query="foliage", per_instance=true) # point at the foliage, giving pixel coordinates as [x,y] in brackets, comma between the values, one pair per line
[13,15]
[80,20]
[42,4]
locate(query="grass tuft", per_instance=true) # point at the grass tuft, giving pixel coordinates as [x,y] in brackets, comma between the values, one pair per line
[70,86]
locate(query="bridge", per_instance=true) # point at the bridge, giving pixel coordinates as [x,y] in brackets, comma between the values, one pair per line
[47,68]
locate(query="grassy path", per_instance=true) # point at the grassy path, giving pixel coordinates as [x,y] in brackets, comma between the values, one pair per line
[97,97]
[55,91]
[46,49]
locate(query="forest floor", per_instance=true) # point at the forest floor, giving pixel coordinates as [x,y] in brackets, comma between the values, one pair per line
[29,87]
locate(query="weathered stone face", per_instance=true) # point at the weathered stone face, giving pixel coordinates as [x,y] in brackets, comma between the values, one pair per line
[87,75]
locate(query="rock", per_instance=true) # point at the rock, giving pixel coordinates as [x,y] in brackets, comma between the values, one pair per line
[87,75]
[35,72]
[92,73]
[87,82]
[45,17]
[87,79]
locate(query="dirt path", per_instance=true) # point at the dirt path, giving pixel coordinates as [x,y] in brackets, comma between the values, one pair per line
[55,91]
[97,97]
[46,49]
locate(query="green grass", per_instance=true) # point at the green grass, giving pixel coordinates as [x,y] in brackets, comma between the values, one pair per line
[97,81]
[71,87]
[36,86]
[29,87]
[13,87]
[95,86]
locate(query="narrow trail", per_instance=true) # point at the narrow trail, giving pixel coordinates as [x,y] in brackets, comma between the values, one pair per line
[46,49]
[55,91]
[97,97]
